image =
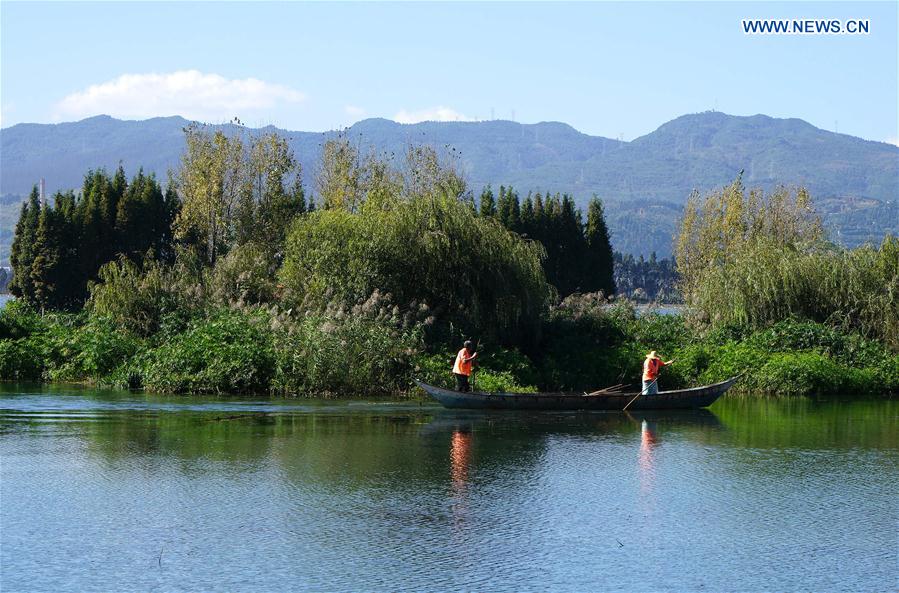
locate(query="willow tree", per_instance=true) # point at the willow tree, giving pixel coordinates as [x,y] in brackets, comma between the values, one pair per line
[425,246]
[754,258]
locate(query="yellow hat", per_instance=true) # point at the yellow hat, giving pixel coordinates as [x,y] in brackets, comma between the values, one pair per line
[652,355]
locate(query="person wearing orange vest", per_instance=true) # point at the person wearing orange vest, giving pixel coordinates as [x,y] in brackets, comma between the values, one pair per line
[651,367]
[462,367]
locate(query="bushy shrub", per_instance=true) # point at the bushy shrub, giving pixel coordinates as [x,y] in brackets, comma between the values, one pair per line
[138,298]
[664,332]
[887,375]
[499,382]
[691,363]
[19,320]
[228,352]
[800,373]
[732,359]
[519,368]
[793,335]
[89,351]
[340,353]
[245,275]
[22,359]
[497,370]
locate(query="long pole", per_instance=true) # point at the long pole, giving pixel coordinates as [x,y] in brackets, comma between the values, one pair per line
[645,389]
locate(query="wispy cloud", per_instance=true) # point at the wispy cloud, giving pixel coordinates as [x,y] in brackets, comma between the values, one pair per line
[354,111]
[433,114]
[190,93]
[6,110]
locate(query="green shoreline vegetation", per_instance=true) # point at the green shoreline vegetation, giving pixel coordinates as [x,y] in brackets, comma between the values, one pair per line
[233,280]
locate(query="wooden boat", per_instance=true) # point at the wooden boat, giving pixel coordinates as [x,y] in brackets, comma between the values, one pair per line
[694,397]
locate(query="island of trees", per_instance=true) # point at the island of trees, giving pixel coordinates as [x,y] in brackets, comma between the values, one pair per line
[230,278]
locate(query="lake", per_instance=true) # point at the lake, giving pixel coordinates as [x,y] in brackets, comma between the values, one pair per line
[112,491]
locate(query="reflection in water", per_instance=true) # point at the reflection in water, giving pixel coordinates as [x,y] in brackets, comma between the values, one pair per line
[161,493]
[460,454]
[647,444]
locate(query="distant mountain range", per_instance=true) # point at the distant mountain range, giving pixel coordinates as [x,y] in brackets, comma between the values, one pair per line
[644,183]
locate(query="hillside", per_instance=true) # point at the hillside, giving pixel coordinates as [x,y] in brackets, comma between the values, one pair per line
[644,182]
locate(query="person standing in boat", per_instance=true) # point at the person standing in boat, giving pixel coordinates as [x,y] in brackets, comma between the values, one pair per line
[651,367]
[462,366]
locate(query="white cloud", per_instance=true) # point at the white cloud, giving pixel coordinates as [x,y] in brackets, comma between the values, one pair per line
[433,114]
[189,93]
[354,111]
[892,140]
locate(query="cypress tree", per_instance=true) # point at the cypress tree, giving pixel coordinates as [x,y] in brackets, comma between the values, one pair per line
[23,247]
[527,216]
[45,269]
[599,249]
[131,221]
[92,232]
[488,203]
[509,210]
[539,215]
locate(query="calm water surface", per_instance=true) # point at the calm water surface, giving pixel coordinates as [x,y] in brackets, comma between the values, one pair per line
[110,491]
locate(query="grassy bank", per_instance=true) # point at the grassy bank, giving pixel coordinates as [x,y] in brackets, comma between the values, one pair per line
[369,351]
[227,281]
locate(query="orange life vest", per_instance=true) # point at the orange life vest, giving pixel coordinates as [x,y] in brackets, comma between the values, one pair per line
[463,364]
[651,368]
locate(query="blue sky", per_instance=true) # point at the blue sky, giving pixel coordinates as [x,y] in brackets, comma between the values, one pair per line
[609,69]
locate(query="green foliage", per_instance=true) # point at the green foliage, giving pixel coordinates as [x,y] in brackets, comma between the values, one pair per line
[89,351]
[801,373]
[21,359]
[755,259]
[245,275]
[19,320]
[848,348]
[498,371]
[361,352]
[470,271]
[500,382]
[228,352]
[583,345]
[59,248]
[138,298]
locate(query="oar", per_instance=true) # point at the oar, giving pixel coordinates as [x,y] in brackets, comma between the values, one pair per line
[645,389]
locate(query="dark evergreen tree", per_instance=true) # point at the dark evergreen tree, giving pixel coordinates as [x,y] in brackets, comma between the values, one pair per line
[59,248]
[527,216]
[488,203]
[23,247]
[46,269]
[599,248]
[509,210]
[538,213]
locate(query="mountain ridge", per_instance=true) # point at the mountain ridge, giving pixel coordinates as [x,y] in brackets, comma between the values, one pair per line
[644,182]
